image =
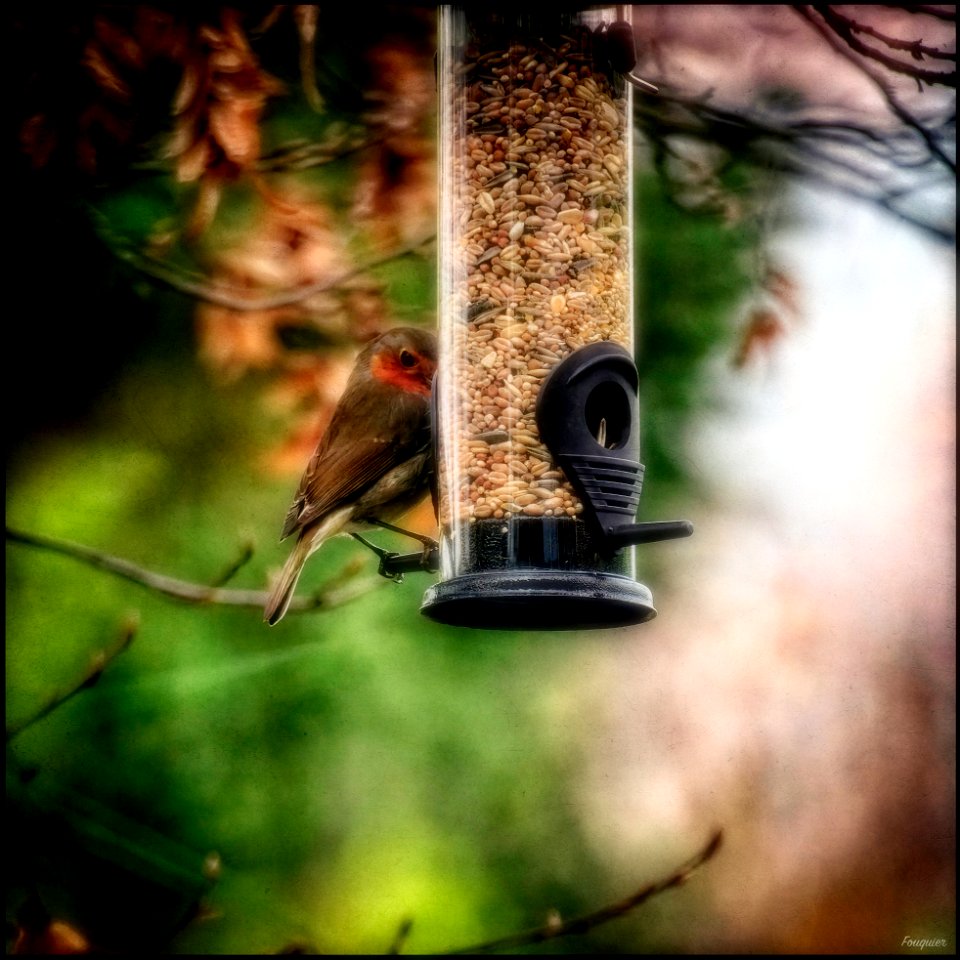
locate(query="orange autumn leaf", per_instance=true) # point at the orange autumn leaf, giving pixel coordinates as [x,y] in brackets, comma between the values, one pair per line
[56,938]
[762,330]
[221,96]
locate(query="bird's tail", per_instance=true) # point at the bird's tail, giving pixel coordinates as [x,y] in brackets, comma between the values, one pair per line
[282,592]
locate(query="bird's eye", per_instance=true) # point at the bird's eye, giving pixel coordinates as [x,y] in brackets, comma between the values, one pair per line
[407,359]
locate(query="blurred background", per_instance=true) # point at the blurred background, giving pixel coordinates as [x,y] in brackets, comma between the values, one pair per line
[213,209]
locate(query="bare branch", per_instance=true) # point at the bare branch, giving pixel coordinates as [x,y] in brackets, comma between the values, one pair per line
[235,567]
[886,201]
[306,154]
[400,937]
[331,594]
[846,29]
[99,663]
[565,928]
[305,16]
[916,48]
[235,299]
[948,14]
[799,146]
[881,84]
[293,155]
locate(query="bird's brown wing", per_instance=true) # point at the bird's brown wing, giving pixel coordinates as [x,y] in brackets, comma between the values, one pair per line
[345,466]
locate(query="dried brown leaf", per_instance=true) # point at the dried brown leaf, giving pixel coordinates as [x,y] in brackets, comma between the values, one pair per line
[123,47]
[233,343]
[105,74]
[38,140]
[56,937]
[188,91]
[784,289]
[763,328]
[192,161]
[234,127]
[205,208]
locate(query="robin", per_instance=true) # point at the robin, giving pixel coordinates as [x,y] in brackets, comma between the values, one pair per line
[374,462]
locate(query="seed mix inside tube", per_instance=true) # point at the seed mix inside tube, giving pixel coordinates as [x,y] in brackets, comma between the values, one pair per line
[537,142]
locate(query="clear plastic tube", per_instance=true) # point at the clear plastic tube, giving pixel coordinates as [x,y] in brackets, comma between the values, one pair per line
[535,261]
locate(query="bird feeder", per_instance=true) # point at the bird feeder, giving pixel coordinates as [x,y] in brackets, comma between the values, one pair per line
[536,396]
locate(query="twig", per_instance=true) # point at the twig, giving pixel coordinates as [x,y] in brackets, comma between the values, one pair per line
[588,921]
[400,937]
[905,116]
[938,13]
[846,29]
[305,16]
[307,154]
[916,48]
[885,201]
[294,155]
[800,153]
[328,595]
[235,567]
[98,664]
[237,300]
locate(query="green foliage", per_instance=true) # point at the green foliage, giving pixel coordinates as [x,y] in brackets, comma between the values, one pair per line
[410,284]
[360,763]
[690,276]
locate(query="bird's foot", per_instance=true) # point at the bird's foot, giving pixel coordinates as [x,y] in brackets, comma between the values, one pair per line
[387,557]
[430,557]
[427,560]
[422,537]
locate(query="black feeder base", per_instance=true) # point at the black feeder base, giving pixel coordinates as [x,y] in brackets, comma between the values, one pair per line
[536,573]
[540,600]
